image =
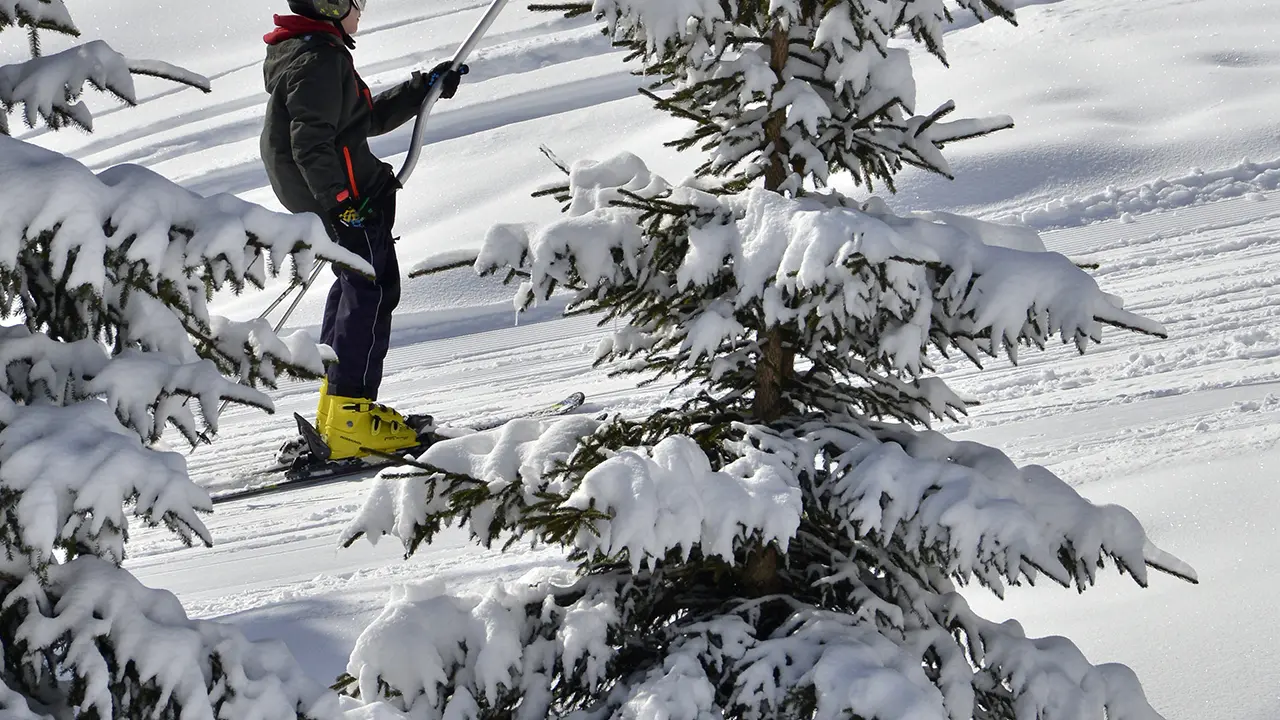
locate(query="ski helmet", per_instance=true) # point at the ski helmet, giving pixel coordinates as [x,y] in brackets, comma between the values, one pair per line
[326,9]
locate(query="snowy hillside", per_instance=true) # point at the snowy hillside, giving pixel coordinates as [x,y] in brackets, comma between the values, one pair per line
[1145,142]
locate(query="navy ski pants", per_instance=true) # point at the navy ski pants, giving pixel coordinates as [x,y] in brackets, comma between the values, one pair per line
[357,314]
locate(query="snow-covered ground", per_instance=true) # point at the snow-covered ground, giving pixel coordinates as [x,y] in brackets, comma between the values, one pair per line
[1146,143]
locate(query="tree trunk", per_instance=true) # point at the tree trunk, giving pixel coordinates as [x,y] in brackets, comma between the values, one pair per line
[760,576]
[777,362]
[775,367]
[776,170]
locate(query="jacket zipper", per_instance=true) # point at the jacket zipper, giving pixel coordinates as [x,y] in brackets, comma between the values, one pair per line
[351,173]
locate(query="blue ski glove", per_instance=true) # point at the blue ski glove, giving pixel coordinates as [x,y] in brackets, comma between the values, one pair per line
[451,78]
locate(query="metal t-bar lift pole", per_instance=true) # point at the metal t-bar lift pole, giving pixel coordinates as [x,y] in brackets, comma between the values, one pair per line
[410,162]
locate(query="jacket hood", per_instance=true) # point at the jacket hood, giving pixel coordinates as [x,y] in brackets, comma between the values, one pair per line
[292,26]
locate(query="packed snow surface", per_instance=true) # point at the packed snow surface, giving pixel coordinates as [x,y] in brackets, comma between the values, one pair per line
[1144,143]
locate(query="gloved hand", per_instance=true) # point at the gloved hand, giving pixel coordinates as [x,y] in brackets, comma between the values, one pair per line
[442,72]
[354,213]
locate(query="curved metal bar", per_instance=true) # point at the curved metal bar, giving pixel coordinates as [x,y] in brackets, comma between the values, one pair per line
[460,57]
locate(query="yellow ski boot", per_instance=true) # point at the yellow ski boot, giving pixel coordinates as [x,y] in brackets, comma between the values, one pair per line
[322,407]
[355,426]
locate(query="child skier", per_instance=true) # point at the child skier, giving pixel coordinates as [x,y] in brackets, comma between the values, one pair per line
[315,147]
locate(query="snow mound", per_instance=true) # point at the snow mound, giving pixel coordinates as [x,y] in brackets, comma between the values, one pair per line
[1196,188]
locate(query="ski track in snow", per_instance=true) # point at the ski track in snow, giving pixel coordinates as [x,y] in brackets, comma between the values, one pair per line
[1183,430]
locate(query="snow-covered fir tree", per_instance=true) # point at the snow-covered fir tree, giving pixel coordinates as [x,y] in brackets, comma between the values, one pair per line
[790,542]
[104,281]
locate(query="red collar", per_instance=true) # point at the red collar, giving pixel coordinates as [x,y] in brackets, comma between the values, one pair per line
[292,26]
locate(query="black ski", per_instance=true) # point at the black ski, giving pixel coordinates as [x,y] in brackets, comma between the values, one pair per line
[303,475]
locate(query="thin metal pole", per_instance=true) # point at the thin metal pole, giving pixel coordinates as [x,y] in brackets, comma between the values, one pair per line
[306,285]
[275,304]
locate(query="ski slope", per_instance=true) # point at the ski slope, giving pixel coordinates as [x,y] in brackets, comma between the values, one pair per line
[1145,143]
